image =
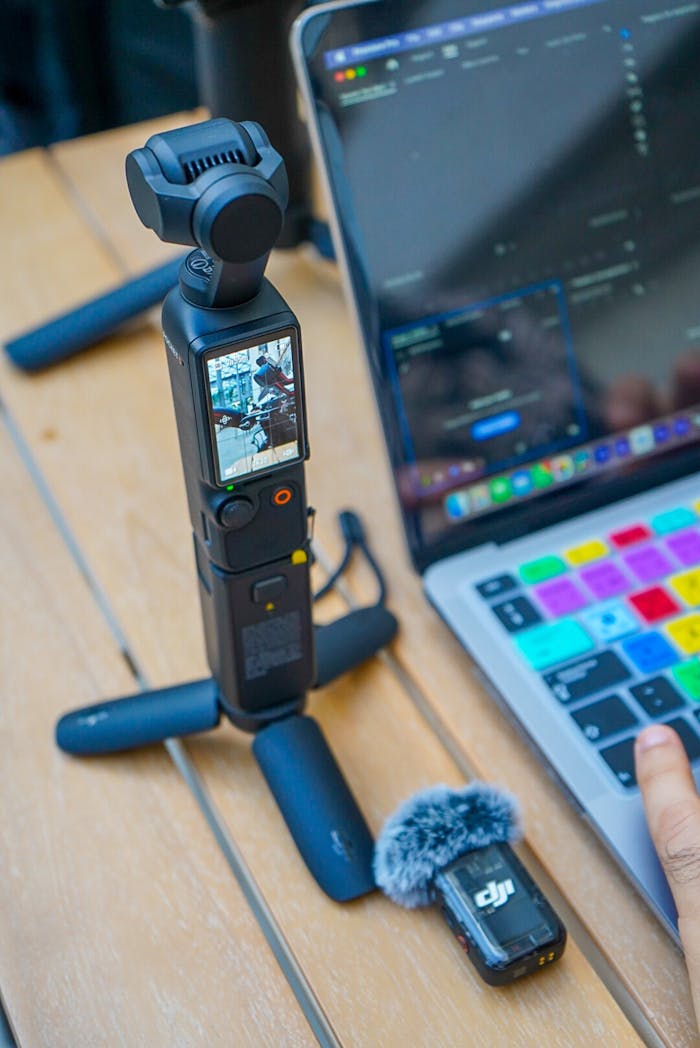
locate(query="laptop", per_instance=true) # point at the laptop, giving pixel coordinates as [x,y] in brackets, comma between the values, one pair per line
[516,205]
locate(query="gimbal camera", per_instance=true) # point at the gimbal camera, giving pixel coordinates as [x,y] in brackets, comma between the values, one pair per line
[234,74]
[234,358]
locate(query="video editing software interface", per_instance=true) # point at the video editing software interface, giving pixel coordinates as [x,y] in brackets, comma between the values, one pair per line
[523,189]
[253,409]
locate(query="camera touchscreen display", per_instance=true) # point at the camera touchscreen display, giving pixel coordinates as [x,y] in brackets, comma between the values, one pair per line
[254,409]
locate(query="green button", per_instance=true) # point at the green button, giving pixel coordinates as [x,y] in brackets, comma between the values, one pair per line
[500,489]
[541,569]
[687,675]
[552,642]
[541,475]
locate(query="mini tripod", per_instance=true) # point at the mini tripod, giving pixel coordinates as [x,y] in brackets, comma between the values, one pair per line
[235,364]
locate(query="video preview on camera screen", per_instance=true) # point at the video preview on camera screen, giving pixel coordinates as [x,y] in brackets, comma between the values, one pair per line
[254,409]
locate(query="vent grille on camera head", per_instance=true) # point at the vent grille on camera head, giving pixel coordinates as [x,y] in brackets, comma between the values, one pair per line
[197,166]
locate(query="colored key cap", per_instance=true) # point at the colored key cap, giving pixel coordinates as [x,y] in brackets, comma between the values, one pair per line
[650,652]
[560,596]
[605,579]
[672,520]
[609,621]
[648,563]
[654,604]
[552,642]
[586,552]
[542,568]
[687,677]
[630,536]
[687,586]
[685,546]
[685,633]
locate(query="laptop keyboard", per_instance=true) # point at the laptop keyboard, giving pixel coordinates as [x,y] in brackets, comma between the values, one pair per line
[613,627]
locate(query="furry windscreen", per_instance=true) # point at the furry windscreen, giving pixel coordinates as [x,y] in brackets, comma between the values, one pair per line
[434,827]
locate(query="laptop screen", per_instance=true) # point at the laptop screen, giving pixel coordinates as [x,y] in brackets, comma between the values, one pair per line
[518,192]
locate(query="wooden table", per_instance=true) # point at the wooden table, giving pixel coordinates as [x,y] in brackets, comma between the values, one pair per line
[156,898]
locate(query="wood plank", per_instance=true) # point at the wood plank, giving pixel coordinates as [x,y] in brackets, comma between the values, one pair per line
[120,923]
[65,408]
[388,715]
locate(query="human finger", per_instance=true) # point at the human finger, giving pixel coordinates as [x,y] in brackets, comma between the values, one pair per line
[672,807]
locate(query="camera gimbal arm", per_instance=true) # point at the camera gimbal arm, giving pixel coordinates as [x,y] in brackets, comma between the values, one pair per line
[219,186]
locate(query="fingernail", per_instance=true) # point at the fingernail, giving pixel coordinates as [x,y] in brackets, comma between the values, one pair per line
[656,735]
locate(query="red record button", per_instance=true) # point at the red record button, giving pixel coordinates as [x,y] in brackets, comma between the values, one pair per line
[281,496]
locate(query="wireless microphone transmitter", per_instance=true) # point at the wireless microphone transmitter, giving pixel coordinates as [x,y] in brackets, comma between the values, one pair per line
[452,847]
[235,362]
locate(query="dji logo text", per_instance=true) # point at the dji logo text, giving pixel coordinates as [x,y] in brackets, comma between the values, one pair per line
[495,894]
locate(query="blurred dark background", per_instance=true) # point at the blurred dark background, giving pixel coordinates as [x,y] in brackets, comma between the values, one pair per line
[73,67]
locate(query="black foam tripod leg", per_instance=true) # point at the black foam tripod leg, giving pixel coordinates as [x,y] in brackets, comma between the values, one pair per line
[140,720]
[345,643]
[318,807]
[79,328]
[151,716]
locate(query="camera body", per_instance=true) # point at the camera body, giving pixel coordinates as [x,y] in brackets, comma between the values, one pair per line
[237,384]
[234,356]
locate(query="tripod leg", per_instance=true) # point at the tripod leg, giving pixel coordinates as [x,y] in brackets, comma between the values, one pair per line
[344,644]
[318,807]
[139,720]
[148,717]
[78,329]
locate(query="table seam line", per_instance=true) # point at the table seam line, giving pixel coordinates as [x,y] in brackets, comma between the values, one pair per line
[84,211]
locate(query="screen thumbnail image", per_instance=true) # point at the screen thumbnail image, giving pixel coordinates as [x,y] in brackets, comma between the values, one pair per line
[253,408]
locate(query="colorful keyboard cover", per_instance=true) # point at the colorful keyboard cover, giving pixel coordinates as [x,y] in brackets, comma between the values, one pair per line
[612,625]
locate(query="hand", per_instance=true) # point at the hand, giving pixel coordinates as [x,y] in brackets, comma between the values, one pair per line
[672,807]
